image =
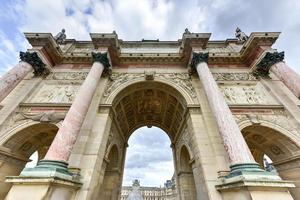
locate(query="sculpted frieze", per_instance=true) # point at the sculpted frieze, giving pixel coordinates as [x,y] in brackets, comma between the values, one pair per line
[247,94]
[68,76]
[50,93]
[48,116]
[234,77]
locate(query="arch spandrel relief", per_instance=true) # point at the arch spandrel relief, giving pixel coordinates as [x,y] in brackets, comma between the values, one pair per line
[180,81]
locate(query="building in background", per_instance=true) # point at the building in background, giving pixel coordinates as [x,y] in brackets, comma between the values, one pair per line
[168,192]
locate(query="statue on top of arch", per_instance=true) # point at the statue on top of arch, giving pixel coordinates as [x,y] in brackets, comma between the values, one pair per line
[61,37]
[240,35]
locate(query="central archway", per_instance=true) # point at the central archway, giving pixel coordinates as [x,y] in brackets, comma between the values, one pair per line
[148,103]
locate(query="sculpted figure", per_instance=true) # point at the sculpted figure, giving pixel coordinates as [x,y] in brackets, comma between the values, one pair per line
[240,35]
[47,116]
[61,37]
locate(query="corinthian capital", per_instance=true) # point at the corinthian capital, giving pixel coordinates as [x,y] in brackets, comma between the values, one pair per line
[263,67]
[37,64]
[196,59]
[102,58]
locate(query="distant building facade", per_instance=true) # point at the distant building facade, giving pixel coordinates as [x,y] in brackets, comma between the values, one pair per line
[168,192]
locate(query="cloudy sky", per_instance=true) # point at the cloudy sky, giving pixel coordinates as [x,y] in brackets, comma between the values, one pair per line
[149,157]
[149,19]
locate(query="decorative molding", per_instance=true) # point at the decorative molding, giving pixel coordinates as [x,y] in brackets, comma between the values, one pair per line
[234,77]
[149,75]
[181,79]
[196,59]
[37,64]
[117,79]
[279,117]
[263,67]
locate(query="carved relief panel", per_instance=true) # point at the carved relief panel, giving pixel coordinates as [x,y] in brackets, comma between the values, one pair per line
[246,94]
[55,93]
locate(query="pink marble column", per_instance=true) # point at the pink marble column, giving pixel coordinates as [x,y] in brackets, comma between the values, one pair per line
[288,76]
[232,137]
[11,79]
[62,145]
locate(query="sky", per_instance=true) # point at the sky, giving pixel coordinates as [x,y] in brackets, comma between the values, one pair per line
[148,19]
[149,157]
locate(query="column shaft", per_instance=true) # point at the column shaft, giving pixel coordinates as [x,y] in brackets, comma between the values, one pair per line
[66,136]
[288,76]
[11,79]
[233,139]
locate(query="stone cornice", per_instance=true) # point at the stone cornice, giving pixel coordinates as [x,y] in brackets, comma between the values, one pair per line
[220,52]
[47,41]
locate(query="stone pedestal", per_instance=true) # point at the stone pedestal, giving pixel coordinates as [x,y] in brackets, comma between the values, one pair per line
[46,188]
[250,186]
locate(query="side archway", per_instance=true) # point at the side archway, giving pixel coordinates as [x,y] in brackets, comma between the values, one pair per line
[16,150]
[186,178]
[110,188]
[279,147]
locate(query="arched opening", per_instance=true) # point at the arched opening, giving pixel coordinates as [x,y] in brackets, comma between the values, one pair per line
[185,176]
[17,150]
[272,146]
[150,163]
[149,104]
[110,189]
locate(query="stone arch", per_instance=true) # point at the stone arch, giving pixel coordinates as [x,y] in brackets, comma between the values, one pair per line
[113,157]
[186,177]
[20,144]
[114,93]
[296,139]
[159,103]
[150,103]
[279,145]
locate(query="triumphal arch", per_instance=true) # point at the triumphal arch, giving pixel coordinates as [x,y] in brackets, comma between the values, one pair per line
[224,105]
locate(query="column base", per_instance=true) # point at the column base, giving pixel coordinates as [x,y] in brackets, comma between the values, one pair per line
[249,182]
[48,180]
[50,168]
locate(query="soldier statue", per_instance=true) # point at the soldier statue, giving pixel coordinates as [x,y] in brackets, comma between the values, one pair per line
[61,37]
[240,35]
